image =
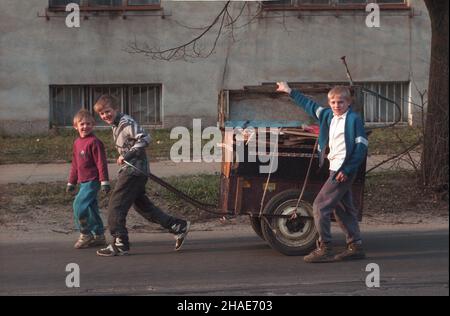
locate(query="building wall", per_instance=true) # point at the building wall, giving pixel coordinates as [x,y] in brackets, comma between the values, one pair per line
[36,52]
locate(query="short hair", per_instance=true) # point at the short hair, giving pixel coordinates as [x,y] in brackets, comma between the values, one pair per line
[105,101]
[81,115]
[340,90]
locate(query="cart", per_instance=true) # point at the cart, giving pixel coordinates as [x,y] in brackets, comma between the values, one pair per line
[271,199]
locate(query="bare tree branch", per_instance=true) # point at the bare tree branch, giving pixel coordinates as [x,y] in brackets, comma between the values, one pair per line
[188,49]
[191,48]
[411,161]
[395,156]
[223,23]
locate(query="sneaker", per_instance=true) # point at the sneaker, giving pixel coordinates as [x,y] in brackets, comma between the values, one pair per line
[180,230]
[83,241]
[117,248]
[323,253]
[99,240]
[354,251]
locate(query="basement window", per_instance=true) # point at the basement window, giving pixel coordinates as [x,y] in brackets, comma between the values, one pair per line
[141,101]
[378,110]
[332,4]
[106,5]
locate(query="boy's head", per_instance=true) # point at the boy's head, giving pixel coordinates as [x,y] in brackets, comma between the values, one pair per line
[339,99]
[83,122]
[107,108]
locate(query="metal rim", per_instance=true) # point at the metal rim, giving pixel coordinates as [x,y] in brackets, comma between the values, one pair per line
[297,233]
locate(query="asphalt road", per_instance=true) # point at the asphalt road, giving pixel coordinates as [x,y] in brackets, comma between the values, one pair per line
[223,263]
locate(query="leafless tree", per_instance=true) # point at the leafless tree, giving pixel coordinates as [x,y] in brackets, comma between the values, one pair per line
[223,23]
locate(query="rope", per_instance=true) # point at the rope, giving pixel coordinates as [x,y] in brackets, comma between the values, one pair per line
[266,185]
[294,216]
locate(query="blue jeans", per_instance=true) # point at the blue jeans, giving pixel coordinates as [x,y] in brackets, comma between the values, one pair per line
[85,209]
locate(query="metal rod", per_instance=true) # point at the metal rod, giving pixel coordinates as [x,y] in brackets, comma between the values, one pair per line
[349,76]
[200,205]
[294,215]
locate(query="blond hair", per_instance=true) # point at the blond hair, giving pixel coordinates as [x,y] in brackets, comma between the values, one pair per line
[105,101]
[81,115]
[341,91]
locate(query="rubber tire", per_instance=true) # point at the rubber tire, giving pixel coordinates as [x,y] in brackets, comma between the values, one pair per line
[256,225]
[286,199]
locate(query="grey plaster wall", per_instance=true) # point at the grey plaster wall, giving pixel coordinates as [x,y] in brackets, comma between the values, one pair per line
[36,52]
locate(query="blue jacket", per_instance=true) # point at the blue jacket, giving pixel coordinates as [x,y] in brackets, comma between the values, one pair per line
[355,136]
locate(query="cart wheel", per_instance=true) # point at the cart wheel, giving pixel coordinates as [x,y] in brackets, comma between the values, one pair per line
[256,225]
[291,237]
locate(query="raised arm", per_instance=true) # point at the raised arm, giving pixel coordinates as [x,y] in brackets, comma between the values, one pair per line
[283,87]
[308,105]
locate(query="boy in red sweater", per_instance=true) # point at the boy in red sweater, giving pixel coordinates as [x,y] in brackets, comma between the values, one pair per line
[90,169]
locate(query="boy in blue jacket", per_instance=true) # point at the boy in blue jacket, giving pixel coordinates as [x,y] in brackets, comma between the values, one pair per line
[343,131]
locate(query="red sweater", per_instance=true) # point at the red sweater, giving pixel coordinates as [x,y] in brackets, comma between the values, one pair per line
[88,161]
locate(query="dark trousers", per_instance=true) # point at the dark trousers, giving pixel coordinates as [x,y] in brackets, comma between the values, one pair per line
[336,197]
[130,191]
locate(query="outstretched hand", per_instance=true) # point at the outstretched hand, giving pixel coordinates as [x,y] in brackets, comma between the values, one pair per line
[283,87]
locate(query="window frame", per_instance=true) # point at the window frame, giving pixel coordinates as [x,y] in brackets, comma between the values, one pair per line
[87,95]
[157,96]
[85,6]
[333,6]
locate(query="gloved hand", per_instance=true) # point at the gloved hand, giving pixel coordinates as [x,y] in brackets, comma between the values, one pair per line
[70,188]
[106,188]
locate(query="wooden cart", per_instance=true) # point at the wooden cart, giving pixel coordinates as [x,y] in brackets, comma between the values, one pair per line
[270,201]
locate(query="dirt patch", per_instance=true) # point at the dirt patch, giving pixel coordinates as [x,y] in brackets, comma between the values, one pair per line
[398,198]
[46,208]
[390,199]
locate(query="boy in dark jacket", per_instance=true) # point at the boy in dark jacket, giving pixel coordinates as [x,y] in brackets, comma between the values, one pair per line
[343,131]
[131,141]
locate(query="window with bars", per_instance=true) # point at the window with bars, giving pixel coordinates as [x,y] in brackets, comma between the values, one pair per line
[379,102]
[62,3]
[64,103]
[142,102]
[329,3]
[106,4]
[379,110]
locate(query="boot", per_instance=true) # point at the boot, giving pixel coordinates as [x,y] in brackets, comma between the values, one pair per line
[323,253]
[354,251]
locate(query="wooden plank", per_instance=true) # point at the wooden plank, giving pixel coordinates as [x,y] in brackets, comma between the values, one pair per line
[239,195]
[227,152]
[299,133]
